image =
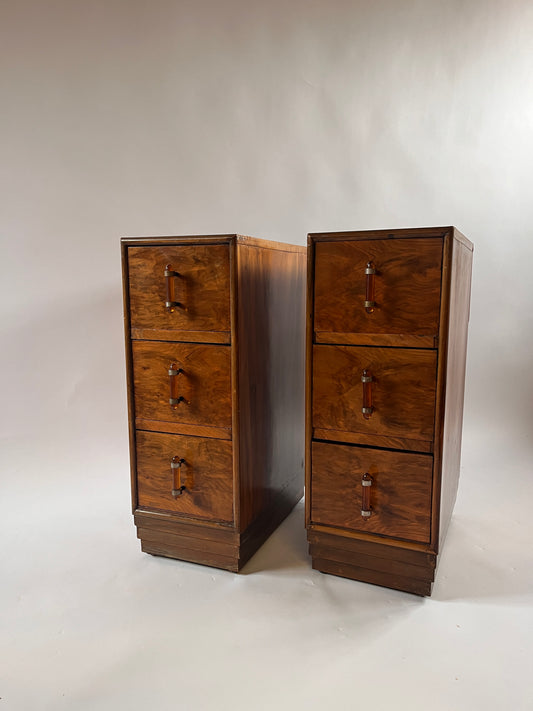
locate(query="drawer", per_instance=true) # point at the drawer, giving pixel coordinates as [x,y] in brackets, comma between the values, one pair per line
[401,392]
[406,291]
[203,387]
[399,497]
[206,472]
[199,286]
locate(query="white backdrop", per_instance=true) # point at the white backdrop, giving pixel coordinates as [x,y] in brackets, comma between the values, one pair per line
[128,117]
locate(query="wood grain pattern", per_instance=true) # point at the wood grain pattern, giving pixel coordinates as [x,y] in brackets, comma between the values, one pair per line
[403,390]
[370,440]
[384,565]
[203,288]
[400,494]
[271,343]
[205,383]
[168,522]
[452,380]
[206,472]
[375,577]
[375,547]
[243,293]
[438,262]
[407,286]
[190,543]
[151,334]
[205,556]
[401,340]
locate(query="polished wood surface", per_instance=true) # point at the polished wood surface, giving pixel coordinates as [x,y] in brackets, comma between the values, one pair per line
[374,440]
[240,346]
[452,374]
[202,289]
[407,286]
[271,338]
[403,390]
[423,275]
[373,547]
[206,473]
[375,577]
[205,383]
[403,340]
[400,495]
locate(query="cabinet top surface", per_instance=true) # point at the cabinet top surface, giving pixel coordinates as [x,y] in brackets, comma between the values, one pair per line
[403,233]
[207,239]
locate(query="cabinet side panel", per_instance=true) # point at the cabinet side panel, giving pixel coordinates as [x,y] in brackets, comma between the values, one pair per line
[455,380]
[271,343]
[129,373]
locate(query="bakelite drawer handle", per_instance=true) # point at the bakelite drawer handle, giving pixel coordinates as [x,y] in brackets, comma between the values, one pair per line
[366,508]
[174,399]
[175,467]
[370,272]
[367,380]
[171,302]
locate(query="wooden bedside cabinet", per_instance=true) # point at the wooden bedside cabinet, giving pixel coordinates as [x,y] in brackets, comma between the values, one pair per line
[215,351]
[387,320]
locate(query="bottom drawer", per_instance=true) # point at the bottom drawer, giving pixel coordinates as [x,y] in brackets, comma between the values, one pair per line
[397,498]
[205,470]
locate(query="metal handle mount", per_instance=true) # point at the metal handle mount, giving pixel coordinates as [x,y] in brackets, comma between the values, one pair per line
[366,508]
[174,399]
[370,272]
[170,303]
[367,380]
[175,467]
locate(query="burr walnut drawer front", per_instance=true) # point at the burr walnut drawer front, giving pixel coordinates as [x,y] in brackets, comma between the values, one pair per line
[387,392]
[372,491]
[180,292]
[187,383]
[191,476]
[370,288]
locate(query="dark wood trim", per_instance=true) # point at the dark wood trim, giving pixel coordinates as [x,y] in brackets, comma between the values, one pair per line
[309,375]
[441,386]
[378,441]
[202,557]
[182,428]
[415,233]
[379,548]
[234,267]
[375,339]
[207,337]
[375,577]
[129,375]
[384,565]
[188,239]
[369,537]
[190,528]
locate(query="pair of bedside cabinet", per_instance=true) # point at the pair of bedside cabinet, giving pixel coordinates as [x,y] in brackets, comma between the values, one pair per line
[220,428]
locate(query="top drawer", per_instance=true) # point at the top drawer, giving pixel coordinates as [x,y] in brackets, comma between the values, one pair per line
[405,290]
[194,278]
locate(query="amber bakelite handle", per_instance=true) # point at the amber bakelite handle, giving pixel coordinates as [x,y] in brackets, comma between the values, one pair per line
[170,276]
[367,380]
[175,467]
[370,272]
[366,508]
[174,399]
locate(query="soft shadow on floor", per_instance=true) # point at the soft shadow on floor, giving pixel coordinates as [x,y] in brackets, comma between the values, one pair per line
[285,549]
[484,562]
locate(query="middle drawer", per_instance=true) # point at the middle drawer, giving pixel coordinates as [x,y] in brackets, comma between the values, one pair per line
[199,383]
[387,392]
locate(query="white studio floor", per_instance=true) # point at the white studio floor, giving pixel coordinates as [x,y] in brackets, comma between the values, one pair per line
[88,622]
